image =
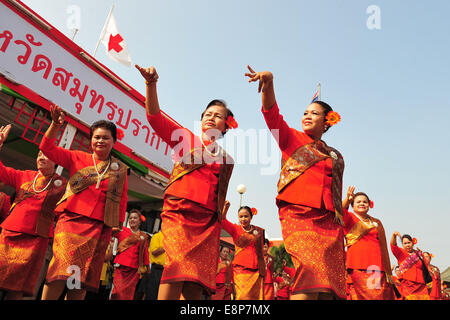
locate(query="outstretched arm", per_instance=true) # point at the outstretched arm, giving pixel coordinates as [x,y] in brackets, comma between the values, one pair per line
[59,155]
[394,238]
[57,121]
[151,99]
[8,175]
[265,86]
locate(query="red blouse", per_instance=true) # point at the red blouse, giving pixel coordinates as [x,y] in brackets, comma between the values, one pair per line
[283,292]
[130,256]
[313,187]
[366,251]
[205,178]
[24,216]
[414,273]
[220,277]
[269,272]
[91,201]
[244,256]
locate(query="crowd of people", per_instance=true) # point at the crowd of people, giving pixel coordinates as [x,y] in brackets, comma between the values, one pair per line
[336,253]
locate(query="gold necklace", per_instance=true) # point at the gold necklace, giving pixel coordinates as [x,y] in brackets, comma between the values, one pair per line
[34,184]
[206,149]
[100,176]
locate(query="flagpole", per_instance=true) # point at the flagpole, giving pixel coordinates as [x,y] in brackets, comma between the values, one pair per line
[320,92]
[74,34]
[103,30]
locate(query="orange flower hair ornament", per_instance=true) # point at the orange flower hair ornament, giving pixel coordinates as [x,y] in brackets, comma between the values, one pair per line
[370,204]
[414,241]
[120,134]
[332,118]
[231,123]
[431,255]
[254,211]
[143,219]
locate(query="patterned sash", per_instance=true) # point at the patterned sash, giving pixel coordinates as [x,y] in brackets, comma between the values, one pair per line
[138,237]
[197,158]
[47,213]
[304,158]
[246,239]
[88,176]
[359,230]
[408,263]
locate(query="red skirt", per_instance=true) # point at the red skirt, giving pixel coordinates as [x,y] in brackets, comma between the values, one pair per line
[125,282]
[269,291]
[79,249]
[191,239]
[363,285]
[248,284]
[316,245]
[21,260]
[411,290]
[222,292]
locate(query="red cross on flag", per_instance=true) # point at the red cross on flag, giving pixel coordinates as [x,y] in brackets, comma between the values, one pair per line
[116,47]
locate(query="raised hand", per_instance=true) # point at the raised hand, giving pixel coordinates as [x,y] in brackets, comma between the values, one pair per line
[265,78]
[57,114]
[149,74]
[349,197]
[4,131]
[350,193]
[226,206]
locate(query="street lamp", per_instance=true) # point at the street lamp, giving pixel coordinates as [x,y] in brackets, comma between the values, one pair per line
[241,190]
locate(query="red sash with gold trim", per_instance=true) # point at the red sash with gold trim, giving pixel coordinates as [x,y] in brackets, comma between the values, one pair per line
[197,158]
[138,237]
[246,239]
[304,158]
[82,179]
[359,230]
[54,193]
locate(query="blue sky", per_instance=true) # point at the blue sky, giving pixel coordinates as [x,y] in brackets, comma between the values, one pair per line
[390,86]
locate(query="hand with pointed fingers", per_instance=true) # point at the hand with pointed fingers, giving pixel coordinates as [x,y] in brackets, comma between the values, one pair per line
[350,193]
[4,131]
[57,114]
[265,78]
[149,74]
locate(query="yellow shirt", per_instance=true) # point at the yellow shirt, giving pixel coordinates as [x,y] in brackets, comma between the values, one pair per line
[156,243]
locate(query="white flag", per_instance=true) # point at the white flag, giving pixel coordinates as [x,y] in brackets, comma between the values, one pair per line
[116,47]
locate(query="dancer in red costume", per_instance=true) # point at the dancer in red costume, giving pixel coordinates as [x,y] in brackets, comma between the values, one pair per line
[194,197]
[132,259]
[28,229]
[368,264]
[95,202]
[224,277]
[411,268]
[269,293]
[309,195]
[436,286]
[249,267]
